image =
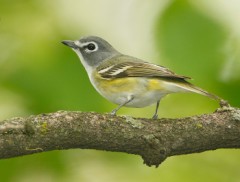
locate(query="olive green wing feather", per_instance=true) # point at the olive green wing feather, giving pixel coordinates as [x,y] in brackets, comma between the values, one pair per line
[126,66]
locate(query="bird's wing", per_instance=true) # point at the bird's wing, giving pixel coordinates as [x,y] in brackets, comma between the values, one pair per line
[126,66]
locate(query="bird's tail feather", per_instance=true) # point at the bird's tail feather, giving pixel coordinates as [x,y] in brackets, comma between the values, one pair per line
[192,88]
[182,85]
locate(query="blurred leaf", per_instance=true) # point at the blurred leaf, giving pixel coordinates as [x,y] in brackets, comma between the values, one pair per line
[190,41]
[192,44]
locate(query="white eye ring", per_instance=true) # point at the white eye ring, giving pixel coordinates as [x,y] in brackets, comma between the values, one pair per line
[90,47]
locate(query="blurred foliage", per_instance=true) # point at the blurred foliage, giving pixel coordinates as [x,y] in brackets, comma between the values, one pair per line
[198,47]
[38,74]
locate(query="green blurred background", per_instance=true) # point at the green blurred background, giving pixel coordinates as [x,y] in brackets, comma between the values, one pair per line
[38,74]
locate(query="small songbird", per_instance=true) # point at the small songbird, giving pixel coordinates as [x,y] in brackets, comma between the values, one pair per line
[125,80]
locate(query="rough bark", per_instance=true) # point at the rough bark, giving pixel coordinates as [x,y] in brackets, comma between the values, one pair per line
[154,140]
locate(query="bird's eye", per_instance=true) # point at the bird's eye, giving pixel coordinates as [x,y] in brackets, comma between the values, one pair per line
[91,46]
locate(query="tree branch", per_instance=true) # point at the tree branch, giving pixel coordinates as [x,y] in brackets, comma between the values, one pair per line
[154,140]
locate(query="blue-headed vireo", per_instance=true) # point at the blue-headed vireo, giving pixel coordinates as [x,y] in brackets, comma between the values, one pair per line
[125,80]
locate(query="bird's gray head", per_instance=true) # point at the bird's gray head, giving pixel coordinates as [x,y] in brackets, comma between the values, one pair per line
[92,50]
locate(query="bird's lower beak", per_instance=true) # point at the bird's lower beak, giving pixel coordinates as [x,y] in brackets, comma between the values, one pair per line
[70,43]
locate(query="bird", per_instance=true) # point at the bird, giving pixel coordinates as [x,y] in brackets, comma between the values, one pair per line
[126,80]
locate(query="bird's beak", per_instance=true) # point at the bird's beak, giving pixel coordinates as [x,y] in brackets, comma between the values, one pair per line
[70,44]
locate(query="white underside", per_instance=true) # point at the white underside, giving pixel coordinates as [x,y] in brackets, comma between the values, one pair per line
[139,99]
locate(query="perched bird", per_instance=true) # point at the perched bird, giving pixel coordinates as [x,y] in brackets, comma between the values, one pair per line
[125,80]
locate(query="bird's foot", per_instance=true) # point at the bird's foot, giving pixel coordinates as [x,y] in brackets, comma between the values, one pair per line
[113,113]
[155,116]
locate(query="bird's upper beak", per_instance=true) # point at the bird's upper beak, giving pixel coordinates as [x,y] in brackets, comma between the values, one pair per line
[70,43]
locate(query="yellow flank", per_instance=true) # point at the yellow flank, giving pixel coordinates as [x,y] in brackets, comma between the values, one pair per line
[119,85]
[127,84]
[155,84]
[116,85]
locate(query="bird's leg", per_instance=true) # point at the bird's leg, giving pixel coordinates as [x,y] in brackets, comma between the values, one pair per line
[114,111]
[155,116]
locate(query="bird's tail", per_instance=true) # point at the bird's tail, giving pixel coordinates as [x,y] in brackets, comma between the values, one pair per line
[192,88]
[182,85]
